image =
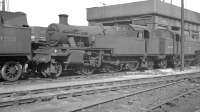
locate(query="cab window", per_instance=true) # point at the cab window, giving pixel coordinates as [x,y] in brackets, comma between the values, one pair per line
[146,34]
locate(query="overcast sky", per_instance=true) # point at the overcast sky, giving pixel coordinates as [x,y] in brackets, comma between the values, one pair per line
[44,12]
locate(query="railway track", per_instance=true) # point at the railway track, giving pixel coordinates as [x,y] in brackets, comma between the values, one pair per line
[59,93]
[159,107]
[123,102]
[23,97]
[116,100]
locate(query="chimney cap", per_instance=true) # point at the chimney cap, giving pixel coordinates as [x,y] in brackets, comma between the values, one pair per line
[63,15]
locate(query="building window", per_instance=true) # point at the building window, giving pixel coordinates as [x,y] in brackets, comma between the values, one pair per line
[140,35]
[175,28]
[187,35]
[195,35]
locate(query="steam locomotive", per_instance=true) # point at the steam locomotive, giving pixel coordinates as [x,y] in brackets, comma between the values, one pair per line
[85,49]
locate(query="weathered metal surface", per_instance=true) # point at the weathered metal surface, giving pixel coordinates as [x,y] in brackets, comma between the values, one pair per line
[122,43]
[14,18]
[15,40]
[56,31]
[14,37]
[76,57]
[161,42]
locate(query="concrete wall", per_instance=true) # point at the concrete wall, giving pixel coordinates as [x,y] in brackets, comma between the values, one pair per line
[141,8]
[121,10]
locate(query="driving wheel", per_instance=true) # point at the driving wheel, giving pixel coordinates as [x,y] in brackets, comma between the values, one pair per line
[11,71]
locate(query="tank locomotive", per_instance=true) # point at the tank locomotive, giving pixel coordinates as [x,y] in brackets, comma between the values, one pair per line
[85,49]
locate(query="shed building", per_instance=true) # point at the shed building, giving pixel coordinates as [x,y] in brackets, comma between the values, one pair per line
[151,13]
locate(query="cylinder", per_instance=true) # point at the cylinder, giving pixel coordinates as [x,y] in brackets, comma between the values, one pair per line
[63,19]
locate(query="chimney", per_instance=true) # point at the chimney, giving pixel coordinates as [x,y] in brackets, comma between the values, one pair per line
[63,19]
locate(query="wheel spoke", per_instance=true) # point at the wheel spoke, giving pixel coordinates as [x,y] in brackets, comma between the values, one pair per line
[45,70]
[51,70]
[58,69]
[11,71]
[87,70]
